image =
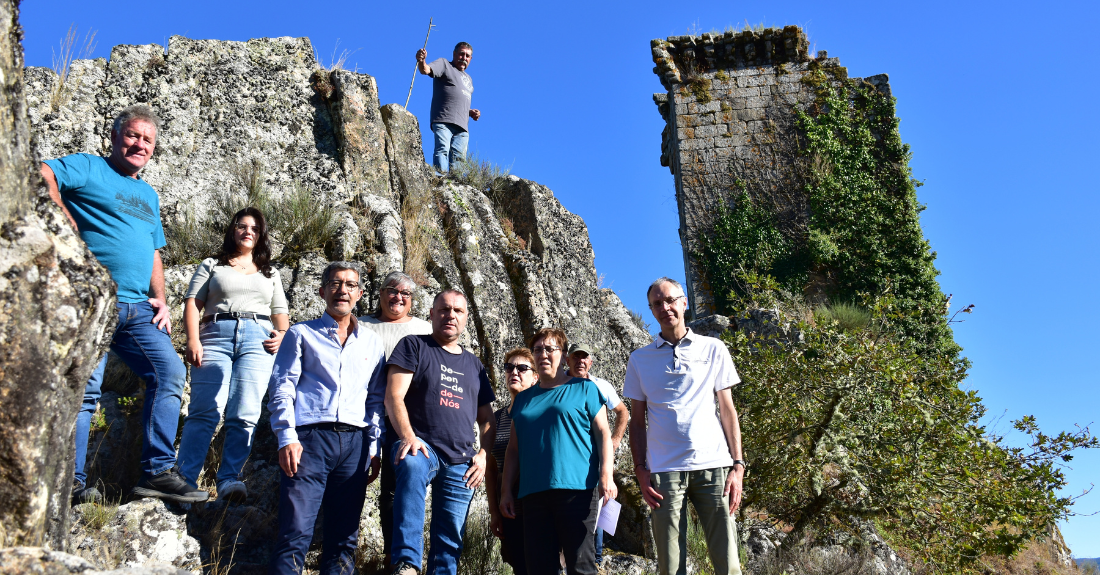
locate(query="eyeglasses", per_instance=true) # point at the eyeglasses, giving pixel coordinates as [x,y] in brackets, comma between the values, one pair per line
[662,303]
[334,285]
[547,349]
[522,368]
[397,292]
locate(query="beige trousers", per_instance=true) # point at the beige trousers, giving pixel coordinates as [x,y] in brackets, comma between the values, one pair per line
[670,521]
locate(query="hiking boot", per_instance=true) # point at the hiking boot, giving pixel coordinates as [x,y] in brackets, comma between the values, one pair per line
[403,568]
[169,486]
[233,492]
[83,494]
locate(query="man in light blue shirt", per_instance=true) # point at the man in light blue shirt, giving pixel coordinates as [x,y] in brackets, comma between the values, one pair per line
[327,393]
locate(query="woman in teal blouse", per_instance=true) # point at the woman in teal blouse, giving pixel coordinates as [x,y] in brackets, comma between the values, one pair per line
[561,452]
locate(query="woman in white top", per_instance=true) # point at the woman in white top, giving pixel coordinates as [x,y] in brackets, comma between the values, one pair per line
[392,322]
[235,315]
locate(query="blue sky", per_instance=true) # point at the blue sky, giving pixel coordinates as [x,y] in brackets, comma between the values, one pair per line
[996,100]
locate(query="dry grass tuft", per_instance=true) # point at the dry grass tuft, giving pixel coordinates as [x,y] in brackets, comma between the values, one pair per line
[70,49]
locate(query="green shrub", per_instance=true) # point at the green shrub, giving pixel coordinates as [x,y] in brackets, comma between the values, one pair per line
[847,425]
[190,239]
[297,221]
[96,516]
[301,222]
[480,548]
[848,317]
[481,174]
[745,237]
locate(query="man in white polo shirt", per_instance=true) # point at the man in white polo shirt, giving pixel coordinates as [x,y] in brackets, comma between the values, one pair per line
[688,451]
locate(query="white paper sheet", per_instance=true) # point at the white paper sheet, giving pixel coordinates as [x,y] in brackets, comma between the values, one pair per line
[608,517]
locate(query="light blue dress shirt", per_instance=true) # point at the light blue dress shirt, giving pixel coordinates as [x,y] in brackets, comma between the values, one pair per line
[315,380]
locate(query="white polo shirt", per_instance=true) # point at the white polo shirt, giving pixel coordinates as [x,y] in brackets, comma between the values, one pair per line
[608,391]
[678,384]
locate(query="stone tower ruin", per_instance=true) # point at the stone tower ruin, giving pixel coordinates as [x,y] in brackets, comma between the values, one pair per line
[730,111]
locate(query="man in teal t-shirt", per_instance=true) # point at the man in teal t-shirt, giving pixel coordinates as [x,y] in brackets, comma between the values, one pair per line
[118,216]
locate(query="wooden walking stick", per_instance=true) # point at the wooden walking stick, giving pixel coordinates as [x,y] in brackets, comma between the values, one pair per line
[417,67]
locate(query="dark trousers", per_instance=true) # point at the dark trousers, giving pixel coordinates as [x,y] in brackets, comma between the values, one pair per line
[385,492]
[332,474]
[511,545]
[560,519]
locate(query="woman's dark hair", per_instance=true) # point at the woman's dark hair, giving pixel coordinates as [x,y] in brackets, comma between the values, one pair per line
[261,252]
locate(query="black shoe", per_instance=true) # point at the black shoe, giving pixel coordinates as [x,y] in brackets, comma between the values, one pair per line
[403,568]
[169,486]
[83,494]
[233,492]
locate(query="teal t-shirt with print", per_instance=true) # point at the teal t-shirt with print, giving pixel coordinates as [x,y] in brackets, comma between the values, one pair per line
[554,431]
[118,217]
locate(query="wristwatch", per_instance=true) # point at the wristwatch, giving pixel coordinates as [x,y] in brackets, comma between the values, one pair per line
[740,462]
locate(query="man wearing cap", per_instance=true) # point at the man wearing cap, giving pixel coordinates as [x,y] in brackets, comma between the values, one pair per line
[687,451]
[580,360]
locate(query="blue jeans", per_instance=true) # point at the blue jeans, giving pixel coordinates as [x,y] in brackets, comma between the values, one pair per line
[92,391]
[149,354]
[599,546]
[331,474]
[232,380]
[450,503]
[450,145]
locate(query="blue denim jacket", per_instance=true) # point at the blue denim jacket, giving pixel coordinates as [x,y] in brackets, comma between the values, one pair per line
[315,380]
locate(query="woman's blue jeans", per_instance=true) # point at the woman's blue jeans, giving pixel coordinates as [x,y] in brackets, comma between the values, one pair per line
[450,503]
[231,381]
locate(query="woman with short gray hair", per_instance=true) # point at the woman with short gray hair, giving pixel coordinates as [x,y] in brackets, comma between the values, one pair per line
[392,323]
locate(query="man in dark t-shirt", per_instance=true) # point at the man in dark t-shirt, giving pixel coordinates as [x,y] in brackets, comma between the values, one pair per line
[452,90]
[435,392]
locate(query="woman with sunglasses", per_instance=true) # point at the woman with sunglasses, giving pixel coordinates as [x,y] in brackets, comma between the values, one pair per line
[519,372]
[560,453]
[231,349]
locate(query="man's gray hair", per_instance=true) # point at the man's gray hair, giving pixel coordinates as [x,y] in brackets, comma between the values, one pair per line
[334,267]
[136,112]
[662,280]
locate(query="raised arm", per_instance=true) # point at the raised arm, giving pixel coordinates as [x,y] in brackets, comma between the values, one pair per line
[397,385]
[55,193]
[422,62]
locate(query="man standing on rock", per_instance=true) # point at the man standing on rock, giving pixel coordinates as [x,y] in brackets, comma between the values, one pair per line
[452,89]
[435,391]
[327,391]
[118,216]
[687,452]
[580,360]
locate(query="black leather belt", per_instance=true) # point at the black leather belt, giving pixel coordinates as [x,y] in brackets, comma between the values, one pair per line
[332,426]
[234,315]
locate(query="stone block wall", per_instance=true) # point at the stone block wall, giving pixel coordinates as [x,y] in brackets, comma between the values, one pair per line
[730,113]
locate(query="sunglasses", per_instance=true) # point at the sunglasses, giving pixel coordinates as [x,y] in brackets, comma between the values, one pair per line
[521,368]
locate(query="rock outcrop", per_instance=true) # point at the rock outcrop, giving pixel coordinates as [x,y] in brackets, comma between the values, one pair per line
[265,109]
[55,303]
